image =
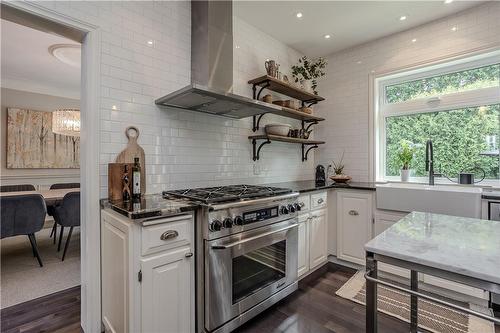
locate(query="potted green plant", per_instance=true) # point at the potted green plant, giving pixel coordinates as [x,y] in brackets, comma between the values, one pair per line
[405,156]
[307,71]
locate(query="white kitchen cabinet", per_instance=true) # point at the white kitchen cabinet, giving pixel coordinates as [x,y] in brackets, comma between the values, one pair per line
[303,238]
[147,274]
[165,284]
[354,224]
[318,251]
[313,232]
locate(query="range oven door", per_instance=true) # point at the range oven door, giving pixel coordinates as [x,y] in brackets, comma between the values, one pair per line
[244,269]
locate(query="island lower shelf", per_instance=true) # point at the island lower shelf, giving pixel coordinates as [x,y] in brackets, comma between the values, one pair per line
[267,139]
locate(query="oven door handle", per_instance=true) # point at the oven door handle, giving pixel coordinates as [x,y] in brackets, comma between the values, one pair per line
[249,239]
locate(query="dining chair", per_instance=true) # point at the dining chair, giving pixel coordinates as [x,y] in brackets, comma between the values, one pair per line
[17,188]
[50,208]
[67,214]
[23,215]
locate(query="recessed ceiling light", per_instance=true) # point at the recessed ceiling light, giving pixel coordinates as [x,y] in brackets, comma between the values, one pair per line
[299,15]
[448,1]
[70,54]
[454,29]
[327,36]
[237,46]
[150,42]
[413,40]
[114,107]
[359,62]
[402,18]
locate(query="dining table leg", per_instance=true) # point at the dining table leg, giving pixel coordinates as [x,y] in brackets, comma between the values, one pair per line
[61,234]
[414,303]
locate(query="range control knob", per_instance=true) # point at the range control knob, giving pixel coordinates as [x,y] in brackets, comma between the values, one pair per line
[291,208]
[228,222]
[284,210]
[238,220]
[297,206]
[215,225]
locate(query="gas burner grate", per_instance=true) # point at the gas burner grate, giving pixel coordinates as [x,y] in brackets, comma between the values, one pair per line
[227,193]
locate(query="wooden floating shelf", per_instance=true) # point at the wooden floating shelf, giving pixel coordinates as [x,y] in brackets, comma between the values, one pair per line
[295,114]
[285,139]
[284,88]
[267,139]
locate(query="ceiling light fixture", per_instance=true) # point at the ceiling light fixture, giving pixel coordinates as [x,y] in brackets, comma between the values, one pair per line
[454,29]
[70,54]
[327,36]
[448,1]
[66,122]
[402,18]
[299,15]
[150,42]
[413,40]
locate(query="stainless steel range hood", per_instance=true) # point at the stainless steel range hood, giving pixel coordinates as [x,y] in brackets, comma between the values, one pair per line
[212,66]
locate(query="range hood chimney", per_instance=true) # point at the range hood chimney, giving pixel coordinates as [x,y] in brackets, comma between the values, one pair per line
[212,48]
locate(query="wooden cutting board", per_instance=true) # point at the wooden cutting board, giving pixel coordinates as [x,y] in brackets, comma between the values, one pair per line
[132,151]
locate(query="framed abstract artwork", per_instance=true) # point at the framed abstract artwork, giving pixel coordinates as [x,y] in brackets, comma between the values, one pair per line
[31,143]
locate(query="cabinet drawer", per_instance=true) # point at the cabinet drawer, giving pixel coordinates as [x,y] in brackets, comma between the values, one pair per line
[318,200]
[304,202]
[170,234]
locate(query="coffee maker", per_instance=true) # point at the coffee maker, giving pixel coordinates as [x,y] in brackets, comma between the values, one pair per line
[320,175]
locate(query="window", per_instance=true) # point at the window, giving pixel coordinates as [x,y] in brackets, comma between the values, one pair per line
[456,105]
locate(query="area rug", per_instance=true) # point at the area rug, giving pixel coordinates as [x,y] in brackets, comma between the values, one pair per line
[431,316]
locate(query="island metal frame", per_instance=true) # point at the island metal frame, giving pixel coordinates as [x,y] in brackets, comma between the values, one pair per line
[372,280]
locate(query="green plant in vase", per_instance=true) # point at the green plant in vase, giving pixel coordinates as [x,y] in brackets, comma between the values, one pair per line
[405,156]
[308,71]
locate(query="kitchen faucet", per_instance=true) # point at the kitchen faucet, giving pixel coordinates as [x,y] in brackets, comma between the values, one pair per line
[429,162]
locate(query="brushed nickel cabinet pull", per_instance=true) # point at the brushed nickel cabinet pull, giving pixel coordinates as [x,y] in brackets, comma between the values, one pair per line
[320,200]
[353,212]
[189,255]
[170,234]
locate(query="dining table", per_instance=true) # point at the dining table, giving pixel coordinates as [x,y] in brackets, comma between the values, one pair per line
[51,197]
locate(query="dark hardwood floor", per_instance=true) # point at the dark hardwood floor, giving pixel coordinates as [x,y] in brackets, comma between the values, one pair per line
[314,308]
[59,312]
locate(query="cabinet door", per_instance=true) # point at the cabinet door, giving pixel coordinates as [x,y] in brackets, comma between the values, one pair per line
[167,297]
[354,221]
[318,233]
[303,255]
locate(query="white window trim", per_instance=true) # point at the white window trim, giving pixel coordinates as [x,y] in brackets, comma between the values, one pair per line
[381,109]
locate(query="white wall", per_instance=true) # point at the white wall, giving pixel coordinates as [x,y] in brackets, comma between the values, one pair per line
[346,85]
[183,149]
[39,177]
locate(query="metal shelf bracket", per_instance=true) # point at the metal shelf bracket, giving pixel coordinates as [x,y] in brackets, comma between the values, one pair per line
[256,151]
[256,122]
[306,152]
[254,89]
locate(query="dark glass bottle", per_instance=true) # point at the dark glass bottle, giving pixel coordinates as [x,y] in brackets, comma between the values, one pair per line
[136,179]
[126,185]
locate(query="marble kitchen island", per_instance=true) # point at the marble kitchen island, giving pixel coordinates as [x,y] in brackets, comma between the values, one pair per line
[463,250]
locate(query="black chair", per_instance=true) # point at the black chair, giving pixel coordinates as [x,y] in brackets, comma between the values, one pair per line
[67,214]
[50,209]
[23,215]
[17,188]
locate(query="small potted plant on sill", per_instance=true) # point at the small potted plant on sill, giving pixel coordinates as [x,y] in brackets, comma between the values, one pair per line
[307,71]
[405,156]
[338,169]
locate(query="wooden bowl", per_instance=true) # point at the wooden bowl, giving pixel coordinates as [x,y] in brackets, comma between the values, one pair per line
[340,178]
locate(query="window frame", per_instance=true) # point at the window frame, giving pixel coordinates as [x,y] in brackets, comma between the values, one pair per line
[450,101]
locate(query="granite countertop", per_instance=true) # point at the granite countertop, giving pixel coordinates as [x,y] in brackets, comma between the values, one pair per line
[150,205]
[310,185]
[456,244]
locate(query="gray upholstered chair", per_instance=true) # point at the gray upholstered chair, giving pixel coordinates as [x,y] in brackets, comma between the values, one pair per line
[67,214]
[23,215]
[50,208]
[17,188]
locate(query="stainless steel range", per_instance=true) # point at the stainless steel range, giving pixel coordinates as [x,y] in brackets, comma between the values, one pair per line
[246,252]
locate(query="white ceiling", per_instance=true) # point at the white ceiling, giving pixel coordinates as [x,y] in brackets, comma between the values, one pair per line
[27,64]
[348,22]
